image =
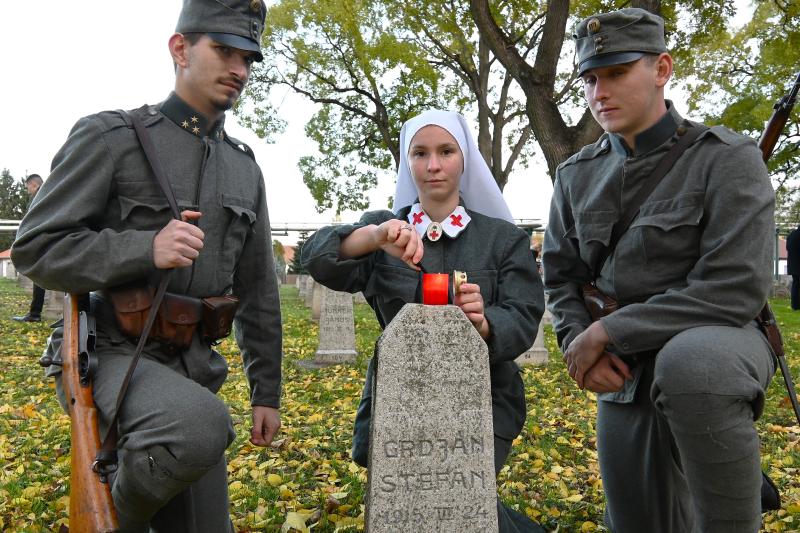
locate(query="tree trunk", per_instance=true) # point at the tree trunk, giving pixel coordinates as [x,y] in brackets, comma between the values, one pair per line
[556,139]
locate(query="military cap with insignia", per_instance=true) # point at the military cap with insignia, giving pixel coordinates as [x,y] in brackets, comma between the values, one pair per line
[235,23]
[618,37]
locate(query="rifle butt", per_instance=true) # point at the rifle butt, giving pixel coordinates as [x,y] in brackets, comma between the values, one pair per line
[91,508]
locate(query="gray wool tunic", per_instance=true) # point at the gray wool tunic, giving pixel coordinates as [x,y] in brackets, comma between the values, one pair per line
[495,255]
[698,254]
[92,226]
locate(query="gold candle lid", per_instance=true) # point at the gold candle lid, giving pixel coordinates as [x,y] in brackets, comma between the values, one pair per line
[458,278]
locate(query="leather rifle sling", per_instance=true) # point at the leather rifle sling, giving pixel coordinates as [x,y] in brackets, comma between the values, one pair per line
[106,459]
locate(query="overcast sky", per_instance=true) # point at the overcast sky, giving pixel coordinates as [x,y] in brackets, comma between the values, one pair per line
[63,60]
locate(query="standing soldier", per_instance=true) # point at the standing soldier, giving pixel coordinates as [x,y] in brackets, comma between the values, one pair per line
[681,368]
[32,184]
[101,221]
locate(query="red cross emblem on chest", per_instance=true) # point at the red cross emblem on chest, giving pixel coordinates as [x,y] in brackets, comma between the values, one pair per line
[456,220]
[434,235]
[417,218]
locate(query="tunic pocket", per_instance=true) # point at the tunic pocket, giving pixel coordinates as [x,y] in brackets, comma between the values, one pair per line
[241,218]
[595,226]
[670,229]
[147,213]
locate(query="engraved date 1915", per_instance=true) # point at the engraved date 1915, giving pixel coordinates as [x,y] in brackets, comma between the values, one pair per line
[437,514]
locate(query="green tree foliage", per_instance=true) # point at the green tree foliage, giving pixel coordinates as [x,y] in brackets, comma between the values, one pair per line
[737,75]
[340,54]
[372,64]
[14,201]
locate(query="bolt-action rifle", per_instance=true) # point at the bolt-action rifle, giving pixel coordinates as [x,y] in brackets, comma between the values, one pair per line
[91,508]
[767,143]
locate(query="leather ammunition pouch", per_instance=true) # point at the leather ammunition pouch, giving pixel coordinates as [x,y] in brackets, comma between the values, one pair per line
[176,319]
[218,313]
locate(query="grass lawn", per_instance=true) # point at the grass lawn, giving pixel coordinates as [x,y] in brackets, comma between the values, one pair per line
[552,473]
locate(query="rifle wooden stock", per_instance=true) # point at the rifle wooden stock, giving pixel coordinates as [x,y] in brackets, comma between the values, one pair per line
[91,509]
[772,132]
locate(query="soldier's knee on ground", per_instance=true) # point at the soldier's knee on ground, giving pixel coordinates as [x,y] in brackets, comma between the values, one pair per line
[147,480]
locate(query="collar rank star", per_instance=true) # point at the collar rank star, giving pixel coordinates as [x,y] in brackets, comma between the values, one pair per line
[452,225]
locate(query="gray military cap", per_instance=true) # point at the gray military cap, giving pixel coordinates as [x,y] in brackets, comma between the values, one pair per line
[618,37]
[235,23]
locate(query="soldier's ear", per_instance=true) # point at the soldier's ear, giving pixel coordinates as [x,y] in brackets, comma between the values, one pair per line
[178,45]
[663,69]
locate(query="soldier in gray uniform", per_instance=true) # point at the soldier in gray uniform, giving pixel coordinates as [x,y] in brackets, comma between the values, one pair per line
[101,221]
[681,368]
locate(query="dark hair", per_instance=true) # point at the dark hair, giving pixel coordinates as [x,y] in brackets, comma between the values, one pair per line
[192,37]
[33,177]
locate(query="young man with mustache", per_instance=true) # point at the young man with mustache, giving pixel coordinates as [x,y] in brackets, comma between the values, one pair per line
[102,221]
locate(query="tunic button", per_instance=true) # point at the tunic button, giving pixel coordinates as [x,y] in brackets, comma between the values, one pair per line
[681,130]
[598,48]
[625,345]
[152,112]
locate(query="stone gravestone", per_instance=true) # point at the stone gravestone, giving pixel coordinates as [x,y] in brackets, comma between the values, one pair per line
[359,298]
[53,305]
[310,284]
[337,335]
[25,282]
[431,445]
[316,301]
[536,354]
[301,285]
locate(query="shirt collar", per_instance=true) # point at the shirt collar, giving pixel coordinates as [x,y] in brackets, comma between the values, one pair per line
[194,122]
[651,138]
[452,225]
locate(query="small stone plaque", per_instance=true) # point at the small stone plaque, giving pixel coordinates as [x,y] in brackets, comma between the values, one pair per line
[337,336]
[537,354]
[432,445]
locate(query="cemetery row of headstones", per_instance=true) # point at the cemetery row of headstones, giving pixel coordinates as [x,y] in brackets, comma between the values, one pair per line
[334,311]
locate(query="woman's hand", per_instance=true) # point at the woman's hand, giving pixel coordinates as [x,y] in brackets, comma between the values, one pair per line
[470,301]
[399,239]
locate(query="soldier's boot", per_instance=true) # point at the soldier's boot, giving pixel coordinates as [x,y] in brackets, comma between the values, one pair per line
[146,481]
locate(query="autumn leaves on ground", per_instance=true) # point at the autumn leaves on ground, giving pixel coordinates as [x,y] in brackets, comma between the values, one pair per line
[309,481]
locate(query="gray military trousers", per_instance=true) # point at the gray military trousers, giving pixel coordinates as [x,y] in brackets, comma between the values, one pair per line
[173,433]
[683,454]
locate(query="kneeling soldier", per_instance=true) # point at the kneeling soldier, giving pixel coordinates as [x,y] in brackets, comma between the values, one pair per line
[102,225]
[681,367]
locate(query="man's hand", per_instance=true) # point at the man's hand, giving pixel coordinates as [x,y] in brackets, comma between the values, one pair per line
[266,423]
[607,375]
[178,243]
[470,301]
[585,351]
[399,239]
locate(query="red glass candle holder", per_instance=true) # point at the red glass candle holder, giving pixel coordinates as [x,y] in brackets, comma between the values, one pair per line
[434,289]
